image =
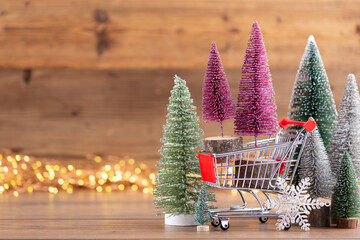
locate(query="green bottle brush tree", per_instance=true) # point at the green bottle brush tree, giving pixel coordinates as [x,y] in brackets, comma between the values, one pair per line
[346,199]
[179,179]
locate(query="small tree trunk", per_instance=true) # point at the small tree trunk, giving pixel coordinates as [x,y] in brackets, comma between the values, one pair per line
[203,228]
[320,217]
[222,144]
[222,129]
[347,223]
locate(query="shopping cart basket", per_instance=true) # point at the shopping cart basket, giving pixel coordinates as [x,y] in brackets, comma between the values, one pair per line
[255,169]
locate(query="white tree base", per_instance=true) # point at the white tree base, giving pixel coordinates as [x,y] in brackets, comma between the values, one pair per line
[180,220]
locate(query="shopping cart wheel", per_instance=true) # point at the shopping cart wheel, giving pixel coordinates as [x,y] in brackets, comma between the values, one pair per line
[288,227]
[215,222]
[263,219]
[224,224]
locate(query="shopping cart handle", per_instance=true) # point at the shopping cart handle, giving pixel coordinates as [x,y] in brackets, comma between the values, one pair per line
[309,125]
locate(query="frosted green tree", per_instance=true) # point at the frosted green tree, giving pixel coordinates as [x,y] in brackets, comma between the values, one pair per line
[312,96]
[202,213]
[346,199]
[315,165]
[179,178]
[346,135]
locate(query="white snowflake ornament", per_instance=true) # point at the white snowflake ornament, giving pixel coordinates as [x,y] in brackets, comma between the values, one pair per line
[293,204]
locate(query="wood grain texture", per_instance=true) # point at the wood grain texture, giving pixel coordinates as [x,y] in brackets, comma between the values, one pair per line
[128,215]
[68,113]
[350,223]
[222,144]
[320,217]
[92,34]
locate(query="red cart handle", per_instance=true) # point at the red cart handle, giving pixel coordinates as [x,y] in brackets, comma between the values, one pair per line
[309,125]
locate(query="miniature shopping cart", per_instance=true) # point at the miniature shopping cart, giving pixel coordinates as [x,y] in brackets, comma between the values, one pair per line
[255,169]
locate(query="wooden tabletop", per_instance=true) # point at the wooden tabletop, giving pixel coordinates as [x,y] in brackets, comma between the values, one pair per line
[125,215]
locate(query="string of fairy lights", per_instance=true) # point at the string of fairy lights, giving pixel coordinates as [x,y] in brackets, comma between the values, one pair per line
[23,173]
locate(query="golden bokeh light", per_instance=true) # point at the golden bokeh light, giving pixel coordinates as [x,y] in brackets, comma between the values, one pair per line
[27,174]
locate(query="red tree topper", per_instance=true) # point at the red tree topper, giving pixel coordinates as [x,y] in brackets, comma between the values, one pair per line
[217,102]
[256,109]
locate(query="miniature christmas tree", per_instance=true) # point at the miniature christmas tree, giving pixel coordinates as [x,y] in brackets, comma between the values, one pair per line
[346,135]
[256,109]
[218,104]
[202,214]
[178,179]
[312,96]
[315,165]
[346,198]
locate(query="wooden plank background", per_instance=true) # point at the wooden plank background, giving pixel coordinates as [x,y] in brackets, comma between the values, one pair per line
[68,113]
[96,34]
[92,76]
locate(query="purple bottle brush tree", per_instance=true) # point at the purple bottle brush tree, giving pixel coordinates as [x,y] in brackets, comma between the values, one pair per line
[256,109]
[217,102]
